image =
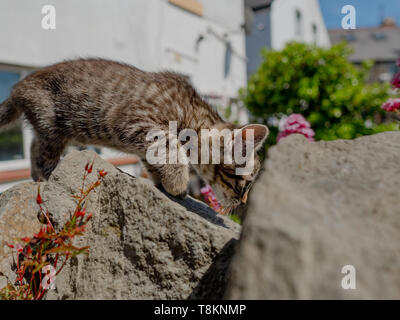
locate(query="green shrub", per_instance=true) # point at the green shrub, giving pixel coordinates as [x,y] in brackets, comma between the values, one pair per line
[323,86]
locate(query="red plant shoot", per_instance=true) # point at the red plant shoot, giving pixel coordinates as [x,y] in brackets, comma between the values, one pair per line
[44,255]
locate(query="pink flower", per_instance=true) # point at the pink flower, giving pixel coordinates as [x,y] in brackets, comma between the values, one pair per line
[391,105]
[296,123]
[297,119]
[210,198]
[396,80]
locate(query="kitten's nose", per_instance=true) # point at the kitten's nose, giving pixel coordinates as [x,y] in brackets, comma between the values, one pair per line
[244,198]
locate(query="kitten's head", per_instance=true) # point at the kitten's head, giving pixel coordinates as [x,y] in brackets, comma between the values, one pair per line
[230,186]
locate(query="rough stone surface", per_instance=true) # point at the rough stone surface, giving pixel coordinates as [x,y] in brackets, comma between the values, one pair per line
[17,220]
[318,207]
[142,244]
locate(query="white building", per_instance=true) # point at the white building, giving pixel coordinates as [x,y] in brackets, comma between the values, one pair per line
[202,39]
[277,22]
[294,20]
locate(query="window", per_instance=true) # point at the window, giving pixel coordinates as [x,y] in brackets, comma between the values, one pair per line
[393,68]
[11,141]
[378,36]
[315,33]
[227,60]
[350,37]
[299,24]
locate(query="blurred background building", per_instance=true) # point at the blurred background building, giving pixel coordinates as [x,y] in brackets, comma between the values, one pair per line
[204,40]
[380,44]
[214,43]
[272,24]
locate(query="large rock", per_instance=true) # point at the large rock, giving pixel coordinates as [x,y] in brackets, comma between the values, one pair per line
[18,218]
[318,207]
[142,244]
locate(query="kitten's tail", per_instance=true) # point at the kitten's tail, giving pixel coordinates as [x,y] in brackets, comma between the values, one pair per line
[8,113]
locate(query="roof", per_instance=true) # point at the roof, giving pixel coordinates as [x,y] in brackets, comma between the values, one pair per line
[257,3]
[379,44]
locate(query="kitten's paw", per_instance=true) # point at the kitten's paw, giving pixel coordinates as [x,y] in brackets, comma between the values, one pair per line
[177,189]
[183,195]
[175,182]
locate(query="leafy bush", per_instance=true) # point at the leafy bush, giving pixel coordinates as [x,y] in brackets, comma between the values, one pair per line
[319,83]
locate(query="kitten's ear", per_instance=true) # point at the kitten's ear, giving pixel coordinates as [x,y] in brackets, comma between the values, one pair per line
[260,133]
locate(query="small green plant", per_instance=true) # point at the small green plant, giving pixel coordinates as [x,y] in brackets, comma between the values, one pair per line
[43,256]
[235,218]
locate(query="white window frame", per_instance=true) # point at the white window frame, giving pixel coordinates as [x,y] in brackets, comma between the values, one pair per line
[298,15]
[10,165]
[315,32]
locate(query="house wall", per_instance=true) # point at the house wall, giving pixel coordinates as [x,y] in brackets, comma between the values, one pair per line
[150,34]
[283,23]
[197,46]
[258,38]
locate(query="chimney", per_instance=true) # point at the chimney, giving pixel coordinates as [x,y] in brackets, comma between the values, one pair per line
[388,23]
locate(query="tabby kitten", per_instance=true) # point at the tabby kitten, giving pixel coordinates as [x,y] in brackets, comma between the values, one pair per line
[105,103]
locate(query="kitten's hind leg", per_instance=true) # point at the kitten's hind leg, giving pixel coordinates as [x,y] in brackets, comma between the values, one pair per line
[45,155]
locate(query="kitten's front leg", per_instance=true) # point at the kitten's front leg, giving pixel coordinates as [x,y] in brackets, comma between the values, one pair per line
[174,178]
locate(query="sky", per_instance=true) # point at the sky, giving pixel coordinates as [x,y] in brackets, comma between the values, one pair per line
[368,12]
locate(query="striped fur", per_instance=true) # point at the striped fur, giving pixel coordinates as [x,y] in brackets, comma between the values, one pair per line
[106,103]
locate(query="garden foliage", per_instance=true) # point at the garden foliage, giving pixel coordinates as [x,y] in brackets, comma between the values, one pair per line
[322,85]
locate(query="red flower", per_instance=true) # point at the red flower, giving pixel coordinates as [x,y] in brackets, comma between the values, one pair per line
[89,167]
[391,105]
[396,80]
[102,173]
[81,213]
[41,234]
[89,217]
[26,239]
[10,245]
[39,199]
